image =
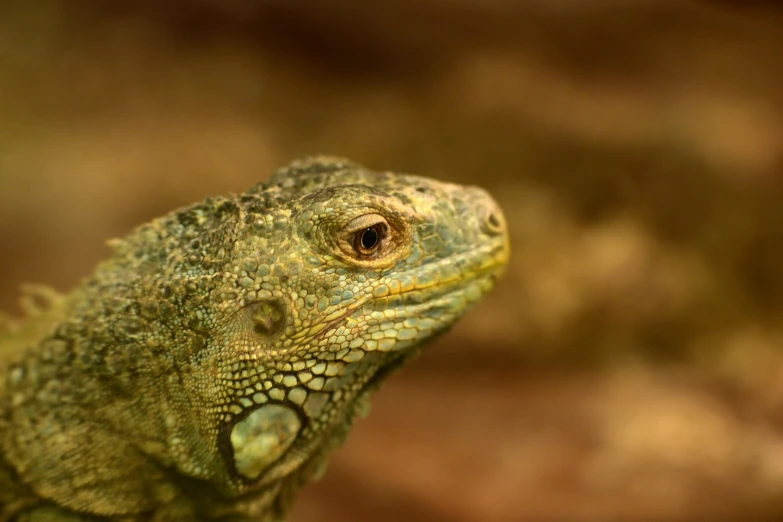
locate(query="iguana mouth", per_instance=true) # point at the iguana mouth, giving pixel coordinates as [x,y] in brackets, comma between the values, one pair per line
[396,359]
[493,269]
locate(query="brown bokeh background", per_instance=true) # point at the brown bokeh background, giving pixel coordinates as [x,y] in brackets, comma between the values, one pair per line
[629,367]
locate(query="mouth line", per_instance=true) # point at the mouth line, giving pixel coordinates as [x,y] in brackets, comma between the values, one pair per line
[435,291]
[467,277]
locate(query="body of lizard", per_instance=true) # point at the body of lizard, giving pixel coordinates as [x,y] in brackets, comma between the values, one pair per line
[207,369]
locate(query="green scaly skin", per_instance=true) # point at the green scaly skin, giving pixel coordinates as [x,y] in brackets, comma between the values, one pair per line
[207,369]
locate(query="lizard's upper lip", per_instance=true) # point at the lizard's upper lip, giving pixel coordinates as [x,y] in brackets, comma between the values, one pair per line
[489,261]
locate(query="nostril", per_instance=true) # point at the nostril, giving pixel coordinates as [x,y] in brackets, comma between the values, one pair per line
[493,224]
[493,221]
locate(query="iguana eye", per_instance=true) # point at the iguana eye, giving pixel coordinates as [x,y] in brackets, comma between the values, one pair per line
[367,238]
[367,241]
[373,240]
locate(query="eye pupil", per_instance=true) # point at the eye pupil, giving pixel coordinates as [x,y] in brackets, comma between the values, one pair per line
[369,238]
[370,242]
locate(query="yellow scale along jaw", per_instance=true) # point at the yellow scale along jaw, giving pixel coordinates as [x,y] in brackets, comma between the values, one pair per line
[232,342]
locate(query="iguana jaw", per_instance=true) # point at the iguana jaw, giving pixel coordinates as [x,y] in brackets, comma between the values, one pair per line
[448,299]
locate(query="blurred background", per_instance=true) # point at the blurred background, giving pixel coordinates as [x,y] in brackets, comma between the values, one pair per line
[629,367]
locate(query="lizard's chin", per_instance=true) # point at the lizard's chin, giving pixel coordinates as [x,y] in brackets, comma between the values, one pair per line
[275,440]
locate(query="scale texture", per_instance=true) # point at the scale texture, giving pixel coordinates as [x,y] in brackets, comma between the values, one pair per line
[208,368]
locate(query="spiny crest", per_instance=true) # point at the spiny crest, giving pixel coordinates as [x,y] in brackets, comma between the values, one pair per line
[303,176]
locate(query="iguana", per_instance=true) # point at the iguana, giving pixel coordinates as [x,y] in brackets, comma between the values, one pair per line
[209,366]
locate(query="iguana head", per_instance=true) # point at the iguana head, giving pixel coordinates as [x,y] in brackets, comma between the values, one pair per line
[341,276]
[224,349]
